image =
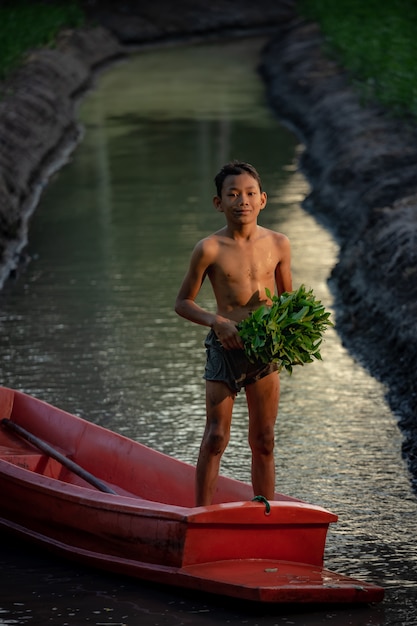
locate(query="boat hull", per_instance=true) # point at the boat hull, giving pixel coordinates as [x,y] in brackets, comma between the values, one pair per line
[148,528]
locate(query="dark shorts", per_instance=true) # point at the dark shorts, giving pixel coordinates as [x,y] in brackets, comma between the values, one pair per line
[232,366]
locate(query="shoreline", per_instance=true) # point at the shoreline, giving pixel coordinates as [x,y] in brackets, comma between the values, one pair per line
[38,103]
[361,163]
[39,128]
[359,160]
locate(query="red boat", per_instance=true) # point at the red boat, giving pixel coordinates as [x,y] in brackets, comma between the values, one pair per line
[105,500]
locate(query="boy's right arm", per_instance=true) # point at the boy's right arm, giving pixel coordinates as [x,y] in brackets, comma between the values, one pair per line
[185,305]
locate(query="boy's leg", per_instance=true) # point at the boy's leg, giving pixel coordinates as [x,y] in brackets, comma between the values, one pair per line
[263,398]
[219,407]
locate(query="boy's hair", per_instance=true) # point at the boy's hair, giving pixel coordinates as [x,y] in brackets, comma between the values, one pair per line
[234,168]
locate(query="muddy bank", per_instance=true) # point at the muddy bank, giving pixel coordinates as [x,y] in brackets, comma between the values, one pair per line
[38,125]
[39,129]
[362,165]
[360,162]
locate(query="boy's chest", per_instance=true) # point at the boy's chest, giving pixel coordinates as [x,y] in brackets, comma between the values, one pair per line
[250,262]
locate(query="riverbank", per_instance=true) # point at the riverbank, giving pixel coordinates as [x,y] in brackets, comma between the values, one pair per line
[38,103]
[39,128]
[360,162]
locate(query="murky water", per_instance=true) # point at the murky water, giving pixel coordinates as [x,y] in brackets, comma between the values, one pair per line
[89,326]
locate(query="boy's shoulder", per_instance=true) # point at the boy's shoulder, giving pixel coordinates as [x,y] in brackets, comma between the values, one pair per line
[212,237]
[268,232]
[209,244]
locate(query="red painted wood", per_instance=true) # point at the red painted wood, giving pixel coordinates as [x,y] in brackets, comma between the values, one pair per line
[150,528]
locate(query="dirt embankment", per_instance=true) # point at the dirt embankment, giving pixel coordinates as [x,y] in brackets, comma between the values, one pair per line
[361,163]
[38,128]
[38,125]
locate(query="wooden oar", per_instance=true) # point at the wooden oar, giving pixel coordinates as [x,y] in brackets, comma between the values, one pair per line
[50,451]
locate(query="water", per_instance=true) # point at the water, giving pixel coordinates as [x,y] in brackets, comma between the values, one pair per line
[89,326]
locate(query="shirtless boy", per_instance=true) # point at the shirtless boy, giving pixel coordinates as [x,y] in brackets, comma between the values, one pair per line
[241,260]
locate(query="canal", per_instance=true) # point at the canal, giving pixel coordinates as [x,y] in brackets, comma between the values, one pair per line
[88,325]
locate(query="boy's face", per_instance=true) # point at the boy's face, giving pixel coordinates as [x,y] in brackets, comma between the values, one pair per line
[241,200]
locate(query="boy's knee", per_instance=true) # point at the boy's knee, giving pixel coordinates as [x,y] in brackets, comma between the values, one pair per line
[216,443]
[263,443]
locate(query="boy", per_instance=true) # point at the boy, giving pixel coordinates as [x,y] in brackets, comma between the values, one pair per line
[241,260]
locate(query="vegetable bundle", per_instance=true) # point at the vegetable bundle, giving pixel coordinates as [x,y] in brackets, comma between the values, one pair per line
[288,332]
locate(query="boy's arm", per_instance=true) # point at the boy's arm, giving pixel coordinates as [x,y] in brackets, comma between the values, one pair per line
[185,304]
[283,277]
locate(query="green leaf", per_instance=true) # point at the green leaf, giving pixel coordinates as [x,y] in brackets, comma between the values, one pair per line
[289,332]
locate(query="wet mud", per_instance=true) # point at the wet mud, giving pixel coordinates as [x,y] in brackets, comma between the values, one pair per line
[361,162]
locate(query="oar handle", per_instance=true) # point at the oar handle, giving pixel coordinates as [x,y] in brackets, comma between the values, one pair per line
[50,451]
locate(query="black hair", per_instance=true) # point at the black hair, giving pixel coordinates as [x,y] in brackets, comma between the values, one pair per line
[234,168]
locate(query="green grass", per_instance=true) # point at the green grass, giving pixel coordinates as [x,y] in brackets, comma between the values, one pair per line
[28,25]
[376,41]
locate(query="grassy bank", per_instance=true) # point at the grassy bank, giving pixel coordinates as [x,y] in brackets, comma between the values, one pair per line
[374,39]
[376,42]
[28,25]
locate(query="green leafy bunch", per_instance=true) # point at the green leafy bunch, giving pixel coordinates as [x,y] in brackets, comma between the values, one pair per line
[288,332]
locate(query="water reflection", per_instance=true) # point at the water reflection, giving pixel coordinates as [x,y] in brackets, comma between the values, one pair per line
[90,327]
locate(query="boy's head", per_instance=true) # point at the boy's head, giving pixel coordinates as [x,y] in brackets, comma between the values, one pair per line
[234,168]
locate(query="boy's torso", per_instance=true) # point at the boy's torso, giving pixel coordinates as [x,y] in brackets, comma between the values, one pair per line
[241,272]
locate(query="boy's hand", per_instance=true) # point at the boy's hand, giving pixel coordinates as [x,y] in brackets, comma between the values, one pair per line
[227,333]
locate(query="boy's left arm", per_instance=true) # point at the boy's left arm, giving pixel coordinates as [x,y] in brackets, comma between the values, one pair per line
[283,277]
